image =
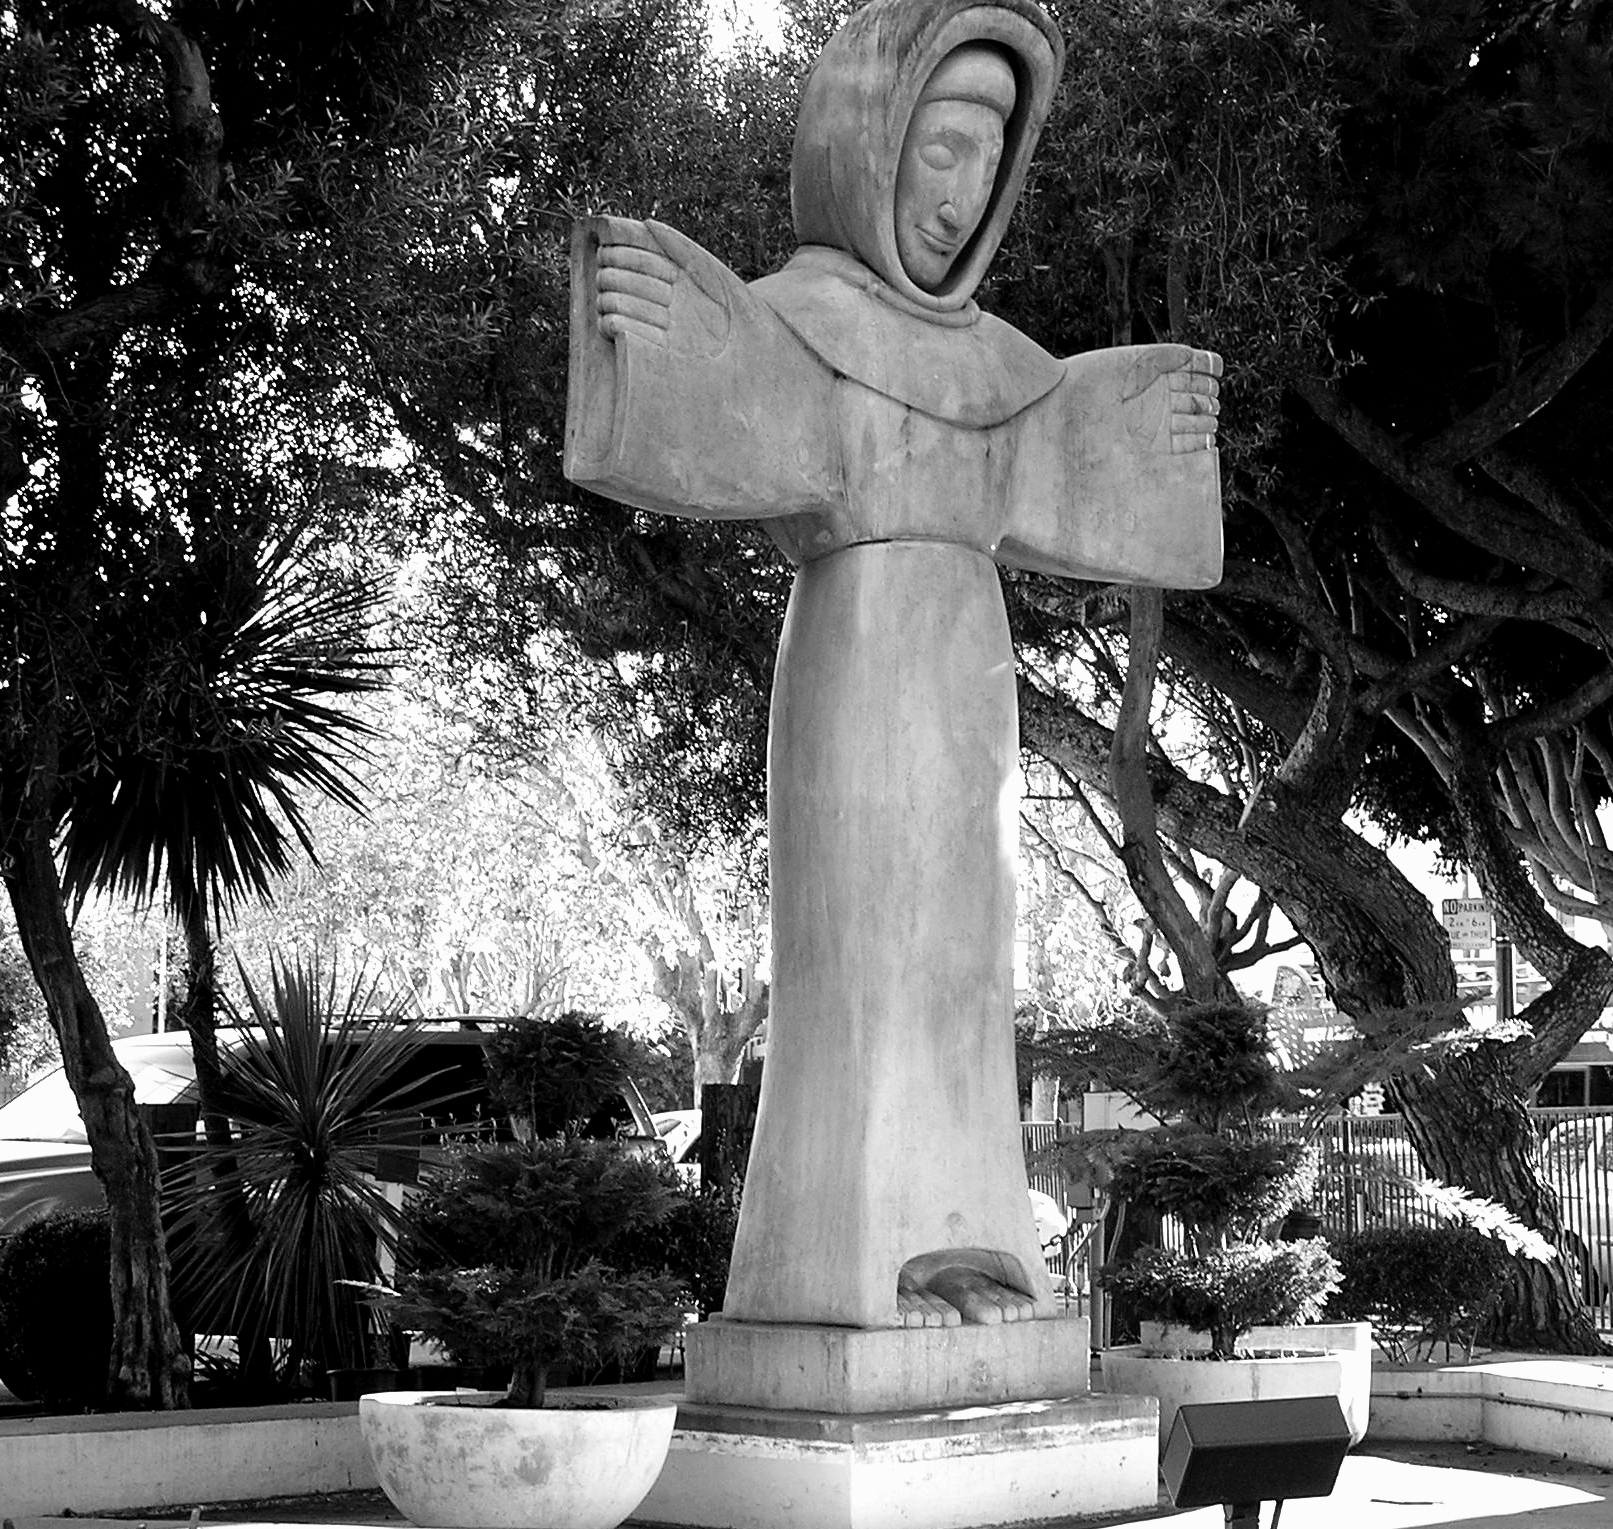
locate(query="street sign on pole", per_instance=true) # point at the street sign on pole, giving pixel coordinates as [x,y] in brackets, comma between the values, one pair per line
[1467,921]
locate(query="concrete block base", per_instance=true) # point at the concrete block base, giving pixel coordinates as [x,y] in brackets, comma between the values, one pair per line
[1019,1463]
[802,1368]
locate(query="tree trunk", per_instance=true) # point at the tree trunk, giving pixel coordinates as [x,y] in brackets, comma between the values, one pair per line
[529,1380]
[1470,1127]
[701,996]
[1044,1097]
[149,1366]
[199,1017]
[1130,788]
[728,1124]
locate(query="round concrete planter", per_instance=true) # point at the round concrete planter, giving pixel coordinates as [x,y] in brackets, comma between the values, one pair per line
[1134,1371]
[455,1461]
[1348,1342]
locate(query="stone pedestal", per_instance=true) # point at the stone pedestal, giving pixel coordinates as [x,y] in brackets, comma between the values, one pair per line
[840,1370]
[965,1468]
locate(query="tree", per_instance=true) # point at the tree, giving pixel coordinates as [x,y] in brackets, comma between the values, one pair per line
[165,393]
[460,884]
[483,885]
[253,649]
[1389,585]
[661,636]
[706,940]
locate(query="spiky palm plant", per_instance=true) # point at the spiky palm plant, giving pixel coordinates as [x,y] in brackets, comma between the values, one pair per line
[314,1080]
[224,673]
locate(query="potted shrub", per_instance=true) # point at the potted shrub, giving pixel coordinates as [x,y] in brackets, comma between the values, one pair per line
[508,1263]
[1211,1313]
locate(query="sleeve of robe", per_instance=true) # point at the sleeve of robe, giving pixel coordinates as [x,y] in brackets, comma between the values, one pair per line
[728,419]
[1095,491]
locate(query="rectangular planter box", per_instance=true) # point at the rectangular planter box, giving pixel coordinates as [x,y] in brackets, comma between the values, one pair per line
[1348,1342]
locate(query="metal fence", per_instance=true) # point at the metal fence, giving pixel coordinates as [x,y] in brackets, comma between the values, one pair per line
[1363,1162]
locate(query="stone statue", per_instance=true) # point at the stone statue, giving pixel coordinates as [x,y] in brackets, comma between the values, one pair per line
[899,444]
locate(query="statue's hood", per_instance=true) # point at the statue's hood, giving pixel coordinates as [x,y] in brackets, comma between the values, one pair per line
[854,116]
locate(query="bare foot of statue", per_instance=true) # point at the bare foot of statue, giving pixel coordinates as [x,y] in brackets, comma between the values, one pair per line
[980,1298]
[917,1307]
[946,1289]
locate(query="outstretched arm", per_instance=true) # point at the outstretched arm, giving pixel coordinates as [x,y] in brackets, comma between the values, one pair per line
[1115,472]
[688,394]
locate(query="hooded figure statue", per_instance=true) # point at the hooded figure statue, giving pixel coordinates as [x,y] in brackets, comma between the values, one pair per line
[898,444]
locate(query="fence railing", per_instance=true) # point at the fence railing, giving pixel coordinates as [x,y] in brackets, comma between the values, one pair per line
[1362,1160]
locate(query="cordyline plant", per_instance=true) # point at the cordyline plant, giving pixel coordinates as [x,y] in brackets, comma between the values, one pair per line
[511,1243]
[316,1080]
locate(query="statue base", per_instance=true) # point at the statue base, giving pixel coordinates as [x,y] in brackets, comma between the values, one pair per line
[797,1367]
[1041,1462]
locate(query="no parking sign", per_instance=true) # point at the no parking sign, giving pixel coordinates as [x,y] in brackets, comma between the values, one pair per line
[1467,921]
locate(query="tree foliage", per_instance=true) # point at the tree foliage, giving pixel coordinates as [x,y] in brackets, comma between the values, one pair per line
[171,406]
[1410,616]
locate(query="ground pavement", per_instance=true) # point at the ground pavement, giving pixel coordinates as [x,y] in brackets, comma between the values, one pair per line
[1380,1486]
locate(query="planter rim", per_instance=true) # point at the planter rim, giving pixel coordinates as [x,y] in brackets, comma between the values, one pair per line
[593,1402]
[585,1463]
[1201,1356]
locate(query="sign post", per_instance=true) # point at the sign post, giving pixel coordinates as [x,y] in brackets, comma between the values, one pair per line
[1469,923]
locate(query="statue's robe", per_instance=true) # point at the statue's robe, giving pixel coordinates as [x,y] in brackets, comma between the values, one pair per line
[896,455]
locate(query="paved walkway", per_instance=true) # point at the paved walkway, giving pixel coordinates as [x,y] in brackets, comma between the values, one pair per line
[1383,1486]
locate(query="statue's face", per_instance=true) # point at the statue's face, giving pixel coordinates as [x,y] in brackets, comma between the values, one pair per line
[948,167]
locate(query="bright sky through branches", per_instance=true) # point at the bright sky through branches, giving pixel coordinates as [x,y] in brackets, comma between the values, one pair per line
[733,20]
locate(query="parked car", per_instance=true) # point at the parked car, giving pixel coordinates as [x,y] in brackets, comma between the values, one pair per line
[1576,1158]
[680,1131]
[45,1153]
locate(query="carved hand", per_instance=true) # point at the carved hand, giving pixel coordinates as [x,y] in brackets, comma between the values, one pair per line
[636,282]
[1188,377]
[661,287]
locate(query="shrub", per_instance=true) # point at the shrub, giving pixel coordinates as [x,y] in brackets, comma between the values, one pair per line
[56,1309]
[1223,1187]
[553,1075]
[1419,1285]
[514,1243]
[314,1085]
[694,1243]
[1227,1291]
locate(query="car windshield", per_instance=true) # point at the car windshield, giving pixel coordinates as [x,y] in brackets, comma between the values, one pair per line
[47,1111]
[1563,1155]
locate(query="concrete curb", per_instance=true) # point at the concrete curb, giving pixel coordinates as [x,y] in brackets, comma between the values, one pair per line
[118,1461]
[1561,1407]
